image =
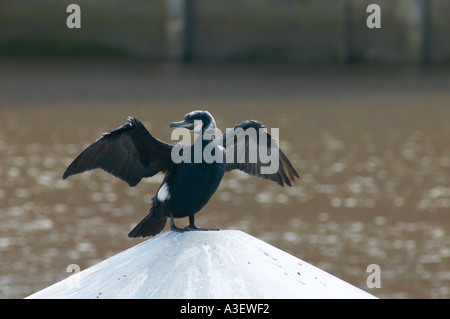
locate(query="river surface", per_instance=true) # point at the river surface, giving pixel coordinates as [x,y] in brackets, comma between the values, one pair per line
[371,146]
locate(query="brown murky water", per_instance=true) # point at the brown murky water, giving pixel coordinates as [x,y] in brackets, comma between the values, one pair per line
[373,153]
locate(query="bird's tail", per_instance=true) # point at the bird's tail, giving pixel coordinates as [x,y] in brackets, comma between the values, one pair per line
[151,225]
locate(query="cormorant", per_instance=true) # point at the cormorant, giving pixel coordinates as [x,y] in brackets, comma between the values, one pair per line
[130,153]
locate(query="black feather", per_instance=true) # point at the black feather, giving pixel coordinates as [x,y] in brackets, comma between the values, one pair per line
[285,174]
[129,152]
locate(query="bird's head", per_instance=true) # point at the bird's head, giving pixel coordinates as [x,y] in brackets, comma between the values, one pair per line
[197,122]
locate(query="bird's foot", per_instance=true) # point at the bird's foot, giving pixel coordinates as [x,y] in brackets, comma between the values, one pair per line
[191,227]
[178,230]
[195,228]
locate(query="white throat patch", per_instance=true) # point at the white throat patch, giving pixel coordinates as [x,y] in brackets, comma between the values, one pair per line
[198,126]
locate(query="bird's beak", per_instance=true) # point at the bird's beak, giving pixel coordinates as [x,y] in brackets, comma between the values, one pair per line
[185,124]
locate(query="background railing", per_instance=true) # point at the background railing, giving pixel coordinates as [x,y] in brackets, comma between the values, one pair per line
[288,31]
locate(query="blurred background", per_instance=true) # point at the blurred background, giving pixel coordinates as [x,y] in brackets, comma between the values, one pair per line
[364,116]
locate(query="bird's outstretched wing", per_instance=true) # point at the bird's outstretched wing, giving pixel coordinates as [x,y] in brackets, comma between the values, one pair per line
[129,152]
[251,149]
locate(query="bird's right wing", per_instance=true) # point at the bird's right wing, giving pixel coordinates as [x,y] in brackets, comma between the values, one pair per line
[129,152]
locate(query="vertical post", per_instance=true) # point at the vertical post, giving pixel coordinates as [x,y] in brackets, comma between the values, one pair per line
[348,32]
[417,33]
[426,33]
[179,33]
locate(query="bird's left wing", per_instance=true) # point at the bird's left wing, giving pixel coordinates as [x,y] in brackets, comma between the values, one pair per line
[129,152]
[251,149]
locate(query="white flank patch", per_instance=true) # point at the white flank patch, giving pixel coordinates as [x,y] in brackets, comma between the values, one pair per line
[163,193]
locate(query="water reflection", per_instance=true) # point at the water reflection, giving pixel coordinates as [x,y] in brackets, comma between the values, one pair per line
[374,188]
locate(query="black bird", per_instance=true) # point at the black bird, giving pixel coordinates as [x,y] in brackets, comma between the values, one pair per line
[130,153]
